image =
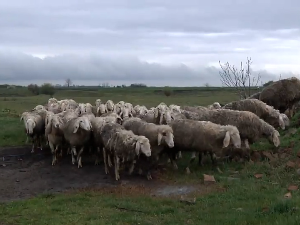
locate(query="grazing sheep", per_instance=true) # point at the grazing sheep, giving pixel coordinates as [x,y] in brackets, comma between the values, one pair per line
[110,105]
[202,136]
[251,127]
[282,94]
[261,109]
[77,134]
[158,135]
[123,144]
[54,135]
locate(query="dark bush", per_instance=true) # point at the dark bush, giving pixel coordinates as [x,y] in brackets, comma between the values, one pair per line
[33,88]
[47,89]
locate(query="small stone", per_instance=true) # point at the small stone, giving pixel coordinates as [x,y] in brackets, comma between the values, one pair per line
[288,195]
[291,164]
[258,175]
[209,178]
[292,188]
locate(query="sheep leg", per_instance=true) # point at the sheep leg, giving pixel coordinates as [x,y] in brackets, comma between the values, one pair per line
[69,151]
[179,156]
[53,153]
[109,161]
[79,157]
[117,166]
[131,168]
[97,156]
[61,152]
[105,161]
[32,149]
[73,156]
[247,143]
[40,143]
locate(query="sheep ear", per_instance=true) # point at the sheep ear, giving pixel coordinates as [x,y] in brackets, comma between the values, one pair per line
[161,118]
[155,112]
[226,140]
[21,118]
[159,139]
[76,126]
[281,123]
[275,137]
[137,148]
[98,109]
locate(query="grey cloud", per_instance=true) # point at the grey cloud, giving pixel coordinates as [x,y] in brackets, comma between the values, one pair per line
[114,39]
[97,69]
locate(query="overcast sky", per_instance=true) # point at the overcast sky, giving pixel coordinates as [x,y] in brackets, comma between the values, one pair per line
[169,42]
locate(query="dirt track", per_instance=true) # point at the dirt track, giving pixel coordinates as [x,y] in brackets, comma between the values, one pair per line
[26,175]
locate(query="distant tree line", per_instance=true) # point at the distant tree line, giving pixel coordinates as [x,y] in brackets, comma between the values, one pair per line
[46,89]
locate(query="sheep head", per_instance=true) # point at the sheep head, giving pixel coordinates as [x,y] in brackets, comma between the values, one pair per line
[165,134]
[30,125]
[281,122]
[143,145]
[101,109]
[274,138]
[125,113]
[83,123]
[232,136]
[166,117]
[98,102]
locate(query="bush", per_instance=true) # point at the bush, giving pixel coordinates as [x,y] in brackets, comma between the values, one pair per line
[33,88]
[167,91]
[47,89]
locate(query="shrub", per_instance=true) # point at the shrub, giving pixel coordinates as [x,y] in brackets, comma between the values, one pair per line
[47,89]
[167,91]
[33,88]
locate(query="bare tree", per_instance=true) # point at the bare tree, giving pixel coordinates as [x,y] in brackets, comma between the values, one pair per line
[240,79]
[68,82]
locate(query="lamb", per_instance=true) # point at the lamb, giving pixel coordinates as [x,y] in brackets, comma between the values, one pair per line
[110,105]
[251,127]
[158,135]
[261,109]
[123,144]
[77,133]
[54,135]
[282,94]
[98,102]
[202,136]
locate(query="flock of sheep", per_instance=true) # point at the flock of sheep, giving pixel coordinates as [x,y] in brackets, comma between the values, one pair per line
[138,137]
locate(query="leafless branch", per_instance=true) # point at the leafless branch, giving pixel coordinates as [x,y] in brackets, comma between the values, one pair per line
[240,79]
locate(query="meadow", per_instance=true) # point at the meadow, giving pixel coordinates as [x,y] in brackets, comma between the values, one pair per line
[244,193]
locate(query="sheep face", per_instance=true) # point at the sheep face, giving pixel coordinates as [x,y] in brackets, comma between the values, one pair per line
[167,137]
[166,116]
[101,109]
[143,146]
[88,108]
[83,123]
[110,105]
[56,121]
[281,122]
[274,138]
[232,137]
[98,102]
[216,105]
[30,126]
[285,119]
[125,113]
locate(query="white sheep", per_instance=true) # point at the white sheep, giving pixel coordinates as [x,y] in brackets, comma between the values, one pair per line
[110,105]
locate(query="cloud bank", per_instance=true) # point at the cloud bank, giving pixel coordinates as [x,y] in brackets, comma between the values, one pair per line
[154,42]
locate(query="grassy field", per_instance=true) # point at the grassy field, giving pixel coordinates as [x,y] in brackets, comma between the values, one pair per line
[237,197]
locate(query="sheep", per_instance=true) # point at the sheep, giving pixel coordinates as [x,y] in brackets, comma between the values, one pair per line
[54,135]
[97,126]
[119,119]
[251,127]
[118,106]
[202,136]
[54,107]
[129,106]
[140,110]
[286,120]
[39,107]
[215,105]
[110,105]
[125,112]
[35,126]
[101,109]
[77,133]
[261,109]
[282,94]
[123,144]
[158,135]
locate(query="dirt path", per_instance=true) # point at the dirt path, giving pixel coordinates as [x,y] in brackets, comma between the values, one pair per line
[24,175]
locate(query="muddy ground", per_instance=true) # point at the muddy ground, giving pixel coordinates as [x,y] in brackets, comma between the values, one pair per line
[24,175]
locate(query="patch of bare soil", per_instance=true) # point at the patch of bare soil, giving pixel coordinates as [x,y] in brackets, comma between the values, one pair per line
[24,175]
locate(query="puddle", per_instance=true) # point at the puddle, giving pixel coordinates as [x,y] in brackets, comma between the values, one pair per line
[174,190]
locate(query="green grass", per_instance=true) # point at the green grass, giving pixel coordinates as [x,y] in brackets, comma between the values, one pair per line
[236,198]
